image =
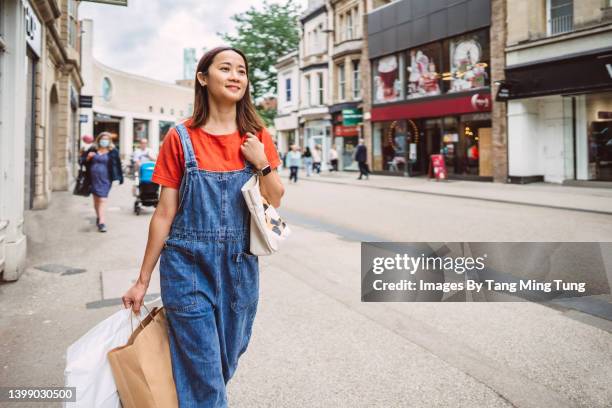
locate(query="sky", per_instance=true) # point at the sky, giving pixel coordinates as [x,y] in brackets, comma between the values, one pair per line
[147,38]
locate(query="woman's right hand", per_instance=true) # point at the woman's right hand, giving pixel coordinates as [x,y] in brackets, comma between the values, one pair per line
[90,155]
[134,297]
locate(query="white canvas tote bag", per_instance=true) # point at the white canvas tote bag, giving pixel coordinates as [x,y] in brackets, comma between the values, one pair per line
[268,230]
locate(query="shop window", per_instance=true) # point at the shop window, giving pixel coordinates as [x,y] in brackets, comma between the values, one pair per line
[466,60]
[423,70]
[391,146]
[387,79]
[560,16]
[599,136]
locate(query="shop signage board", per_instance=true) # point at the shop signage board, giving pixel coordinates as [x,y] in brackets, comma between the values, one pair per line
[33,29]
[346,131]
[351,117]
[85,101]
[589,71]
[437,167]
[112,2]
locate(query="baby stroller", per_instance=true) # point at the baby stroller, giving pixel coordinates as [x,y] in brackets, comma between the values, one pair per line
[145,191]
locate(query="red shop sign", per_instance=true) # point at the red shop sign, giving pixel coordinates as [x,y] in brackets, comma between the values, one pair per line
[437,167]
[481,102]
[345,131]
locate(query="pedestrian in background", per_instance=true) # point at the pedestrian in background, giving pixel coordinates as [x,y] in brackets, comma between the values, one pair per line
[200,229]
[103,167]
[333,158]
[307,155]
[316,159]
[294,160]
[361,157]
[142,154]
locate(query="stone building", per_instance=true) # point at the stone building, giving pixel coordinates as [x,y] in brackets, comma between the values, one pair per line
[40,84]
[129,106]
[558,84]
[313,114]
[286,120]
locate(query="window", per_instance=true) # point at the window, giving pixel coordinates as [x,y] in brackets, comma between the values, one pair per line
[288,89]
[150,109]
[356,80]
[341,82]
[466,62]
[107,89]
[349,25]
[340,32]
[73,29]
[172,111]
[424,68]
[386,81]
[321,89]
[356,27]
[161,110]
[308,91]
[560,16]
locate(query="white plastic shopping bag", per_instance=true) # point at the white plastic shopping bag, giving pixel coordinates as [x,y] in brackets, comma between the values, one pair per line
[87,366]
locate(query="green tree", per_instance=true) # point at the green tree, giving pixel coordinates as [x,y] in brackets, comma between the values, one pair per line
[265,35]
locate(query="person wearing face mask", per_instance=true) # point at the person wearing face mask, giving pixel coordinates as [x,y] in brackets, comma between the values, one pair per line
[103,167]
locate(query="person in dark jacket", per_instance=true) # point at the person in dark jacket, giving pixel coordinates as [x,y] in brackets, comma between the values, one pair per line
[103,167]
[361,157]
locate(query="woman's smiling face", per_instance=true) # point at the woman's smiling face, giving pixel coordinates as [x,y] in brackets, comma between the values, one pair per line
[227,76]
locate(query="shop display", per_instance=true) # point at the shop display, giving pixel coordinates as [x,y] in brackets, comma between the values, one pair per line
[423,76]
[467,70]
[387,86]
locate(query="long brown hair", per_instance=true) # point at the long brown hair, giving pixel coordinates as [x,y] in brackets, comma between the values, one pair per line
[247,119]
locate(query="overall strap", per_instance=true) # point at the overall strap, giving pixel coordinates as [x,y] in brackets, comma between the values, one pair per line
[190,160]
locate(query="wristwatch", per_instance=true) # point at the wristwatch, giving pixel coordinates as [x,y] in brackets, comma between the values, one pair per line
[265,171]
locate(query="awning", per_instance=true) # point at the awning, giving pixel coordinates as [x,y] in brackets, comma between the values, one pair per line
[576,73]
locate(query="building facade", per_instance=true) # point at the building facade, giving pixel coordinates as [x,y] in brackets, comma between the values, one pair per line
[345,67]
[128,106]
[40,85]
[313,113]
[431,88]
[288,85]
[558,84]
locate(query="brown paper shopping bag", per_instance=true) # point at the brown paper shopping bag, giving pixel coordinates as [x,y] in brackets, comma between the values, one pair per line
[142,368]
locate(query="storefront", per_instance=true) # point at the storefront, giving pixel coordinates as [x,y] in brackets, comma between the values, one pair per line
[347,129]
[559,119]
[434,99]
[318,132]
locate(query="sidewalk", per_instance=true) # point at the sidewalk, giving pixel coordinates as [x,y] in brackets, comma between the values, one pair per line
[314,342]
[585,199]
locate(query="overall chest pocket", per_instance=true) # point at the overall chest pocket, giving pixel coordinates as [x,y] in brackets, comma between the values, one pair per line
[177,273]
[246,281]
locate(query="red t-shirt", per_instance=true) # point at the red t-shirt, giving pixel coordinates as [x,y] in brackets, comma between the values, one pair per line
[213,152]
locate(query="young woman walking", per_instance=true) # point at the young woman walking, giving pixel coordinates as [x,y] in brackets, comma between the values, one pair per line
[209,279]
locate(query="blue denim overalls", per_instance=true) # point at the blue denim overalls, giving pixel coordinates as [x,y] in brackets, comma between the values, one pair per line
[209,281]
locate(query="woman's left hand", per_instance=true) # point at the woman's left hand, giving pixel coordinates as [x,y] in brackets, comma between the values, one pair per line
[253,150]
